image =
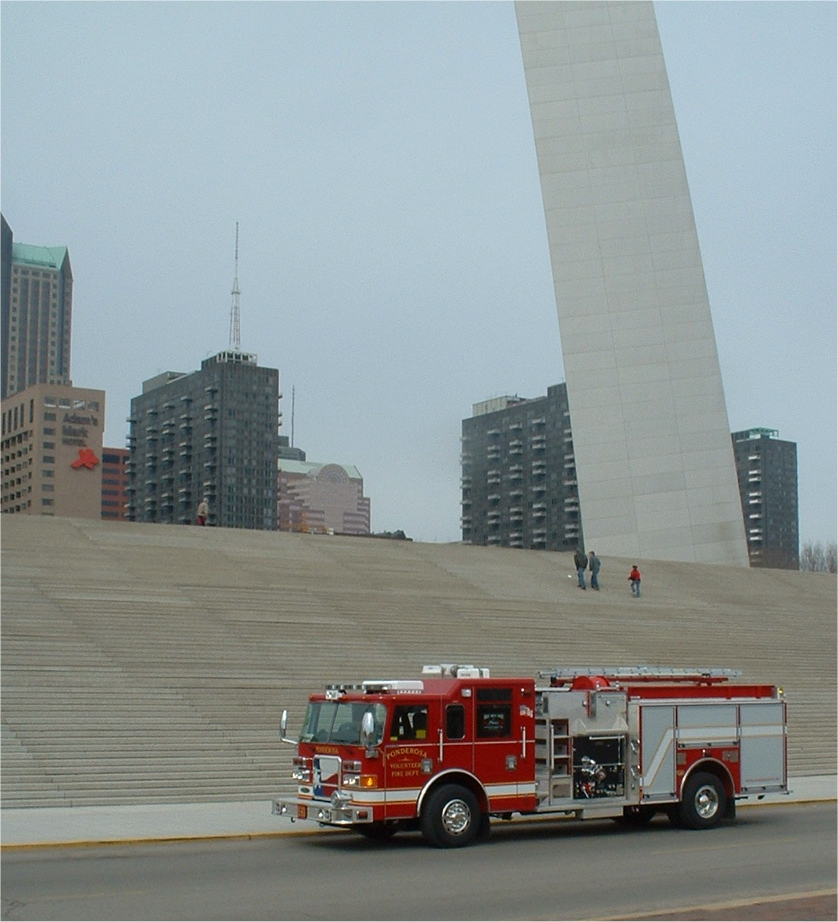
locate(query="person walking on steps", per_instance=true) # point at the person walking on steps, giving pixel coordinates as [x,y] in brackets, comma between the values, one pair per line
[594,563]
[581,562]
[634,580]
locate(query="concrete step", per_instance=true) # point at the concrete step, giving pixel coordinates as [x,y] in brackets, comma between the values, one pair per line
[124,641]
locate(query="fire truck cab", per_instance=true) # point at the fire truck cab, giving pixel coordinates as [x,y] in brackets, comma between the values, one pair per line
[446,752]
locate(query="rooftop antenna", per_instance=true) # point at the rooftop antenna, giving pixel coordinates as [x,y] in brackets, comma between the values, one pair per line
[235,332]
[293,395]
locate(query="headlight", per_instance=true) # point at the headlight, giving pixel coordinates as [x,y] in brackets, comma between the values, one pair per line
[360,781]
[301,770]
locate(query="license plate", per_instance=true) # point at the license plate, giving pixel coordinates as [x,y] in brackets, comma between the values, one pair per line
[302,812]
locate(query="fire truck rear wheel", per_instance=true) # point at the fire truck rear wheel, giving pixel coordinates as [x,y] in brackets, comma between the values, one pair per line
[451,817]
[703,802]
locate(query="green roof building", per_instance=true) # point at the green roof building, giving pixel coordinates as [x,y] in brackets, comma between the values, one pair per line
[37,307]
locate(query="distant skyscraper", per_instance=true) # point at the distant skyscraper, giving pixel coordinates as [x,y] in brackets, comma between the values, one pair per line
[767,471]
[37,302]
[209,434]
[650,429]
[519,485]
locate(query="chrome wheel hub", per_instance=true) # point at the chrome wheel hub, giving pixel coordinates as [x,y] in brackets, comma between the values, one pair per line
[456,817]
[706,801]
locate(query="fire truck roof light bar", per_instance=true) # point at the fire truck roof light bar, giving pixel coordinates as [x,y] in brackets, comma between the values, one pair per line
[456,671]
[378,686]
[643,673]
[333,692]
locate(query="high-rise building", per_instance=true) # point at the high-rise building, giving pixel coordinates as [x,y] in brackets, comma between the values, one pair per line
[651,434]
[767,470]
[37,302]
[211,434]
[322,498]
[52,451]
[519,485]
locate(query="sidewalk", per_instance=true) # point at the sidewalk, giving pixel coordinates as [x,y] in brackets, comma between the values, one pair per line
[159,822]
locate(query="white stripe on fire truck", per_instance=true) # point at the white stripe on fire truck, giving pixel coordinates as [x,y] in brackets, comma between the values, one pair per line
[411,795]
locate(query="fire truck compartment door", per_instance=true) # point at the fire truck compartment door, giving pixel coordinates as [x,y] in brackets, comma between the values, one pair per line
[657,748]
[763,744]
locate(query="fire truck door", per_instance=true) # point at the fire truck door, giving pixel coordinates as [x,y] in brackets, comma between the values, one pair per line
[410,747]
[457,747]
[657,750]
[504,742]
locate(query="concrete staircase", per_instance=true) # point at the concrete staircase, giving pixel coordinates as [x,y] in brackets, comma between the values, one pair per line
[150,663]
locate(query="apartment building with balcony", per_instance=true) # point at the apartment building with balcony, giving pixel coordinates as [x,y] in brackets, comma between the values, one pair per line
[766,468]
[519,486]
[210,434]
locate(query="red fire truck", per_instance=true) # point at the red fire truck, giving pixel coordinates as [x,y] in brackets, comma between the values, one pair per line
[446,752]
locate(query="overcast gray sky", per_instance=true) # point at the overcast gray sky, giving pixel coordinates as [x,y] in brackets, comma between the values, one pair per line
[393,260]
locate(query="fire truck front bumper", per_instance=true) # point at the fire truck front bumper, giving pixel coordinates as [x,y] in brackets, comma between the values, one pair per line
[338,811]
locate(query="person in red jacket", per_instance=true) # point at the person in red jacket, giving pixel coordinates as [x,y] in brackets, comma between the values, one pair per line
[634,580]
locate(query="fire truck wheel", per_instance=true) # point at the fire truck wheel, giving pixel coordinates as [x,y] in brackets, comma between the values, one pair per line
[450,817]
[703,802]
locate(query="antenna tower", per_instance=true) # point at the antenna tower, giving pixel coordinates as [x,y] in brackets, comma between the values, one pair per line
[235,332]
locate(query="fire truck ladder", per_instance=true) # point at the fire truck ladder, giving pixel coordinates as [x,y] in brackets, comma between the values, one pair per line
[704,675]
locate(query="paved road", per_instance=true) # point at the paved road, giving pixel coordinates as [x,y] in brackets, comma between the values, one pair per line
[540,870]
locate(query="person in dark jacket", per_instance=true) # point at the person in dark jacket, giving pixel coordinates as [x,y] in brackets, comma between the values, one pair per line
[594,563]
[581,562]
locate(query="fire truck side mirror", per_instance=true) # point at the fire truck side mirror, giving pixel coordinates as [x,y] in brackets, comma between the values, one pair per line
[283,729]
[368,730]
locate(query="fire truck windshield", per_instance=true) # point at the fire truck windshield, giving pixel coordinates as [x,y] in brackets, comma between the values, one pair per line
[340,722]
